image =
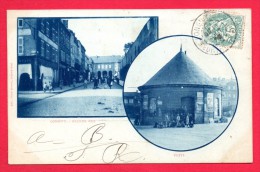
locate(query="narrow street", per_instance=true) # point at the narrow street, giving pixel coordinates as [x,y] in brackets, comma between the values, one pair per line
[78,102]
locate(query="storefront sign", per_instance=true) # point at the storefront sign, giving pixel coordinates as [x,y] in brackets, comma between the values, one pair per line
[199,97]
[145,102]
[199,102]
[199,107]
[210,102]
[152,105]
[159,102]
[23,32]
[46,39]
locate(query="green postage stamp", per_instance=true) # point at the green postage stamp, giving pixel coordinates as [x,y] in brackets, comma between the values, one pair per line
[220,29]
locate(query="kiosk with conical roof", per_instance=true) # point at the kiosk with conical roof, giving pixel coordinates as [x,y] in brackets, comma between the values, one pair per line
[180,87]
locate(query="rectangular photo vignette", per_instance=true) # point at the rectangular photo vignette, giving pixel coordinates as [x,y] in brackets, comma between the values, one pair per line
[59,77]
[84,91]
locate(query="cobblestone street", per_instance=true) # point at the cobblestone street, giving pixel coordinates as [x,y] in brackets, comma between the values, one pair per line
[75,102]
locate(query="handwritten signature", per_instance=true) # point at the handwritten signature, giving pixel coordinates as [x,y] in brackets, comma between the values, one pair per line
[112,152]
[38,138]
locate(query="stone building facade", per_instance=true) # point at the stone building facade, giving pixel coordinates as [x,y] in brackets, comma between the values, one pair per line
[45,53]
[181,87]
[106,66]
[148,35]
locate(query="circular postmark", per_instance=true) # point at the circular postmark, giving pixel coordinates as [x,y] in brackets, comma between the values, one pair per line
[214,28]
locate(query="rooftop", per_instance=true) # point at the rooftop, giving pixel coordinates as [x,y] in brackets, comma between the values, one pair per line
[107,59]
[180,70]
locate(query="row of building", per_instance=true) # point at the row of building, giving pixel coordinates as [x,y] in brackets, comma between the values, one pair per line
[229,94]
[147,35]
[48,51]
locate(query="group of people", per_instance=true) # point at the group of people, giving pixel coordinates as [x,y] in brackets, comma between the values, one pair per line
[61,84]
[105,82]
[178,121]
[48,86]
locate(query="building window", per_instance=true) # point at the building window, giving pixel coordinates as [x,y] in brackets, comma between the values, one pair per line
[61,36]
[98,66]
[56,55]
[20,45]
[42,48]
[109,66]
[56,36]
[53,56]
[47,29]
[53,35]
[102,66]
[105,66]
[42,27]
[48,51]
[131,101]
[20,23]
[68,59]
[62,54]
[126,101]
[152,104]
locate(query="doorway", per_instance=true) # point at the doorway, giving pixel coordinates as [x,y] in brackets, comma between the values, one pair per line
[25,82]
[188,104]
[110,74]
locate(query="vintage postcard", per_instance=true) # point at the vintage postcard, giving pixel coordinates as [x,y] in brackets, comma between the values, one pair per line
[129,86]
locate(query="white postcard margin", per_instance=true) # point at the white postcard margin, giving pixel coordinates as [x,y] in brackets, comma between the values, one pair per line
[235,145]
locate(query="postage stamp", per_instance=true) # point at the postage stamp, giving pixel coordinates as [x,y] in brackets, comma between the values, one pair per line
[221,29]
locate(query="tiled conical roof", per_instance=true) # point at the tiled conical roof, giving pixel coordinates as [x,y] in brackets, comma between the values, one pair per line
[180,70]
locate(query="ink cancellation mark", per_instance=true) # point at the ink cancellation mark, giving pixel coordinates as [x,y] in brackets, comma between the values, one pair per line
[220,29]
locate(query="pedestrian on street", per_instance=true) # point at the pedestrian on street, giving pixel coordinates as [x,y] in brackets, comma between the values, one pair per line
[178,118]
[110,82]
[137,119]
[50,86]
[187,121]
[105,83]
[117,80]
[45,87]
[74,82]
[191,124]
[95,83]
[61,84]
[167,120]
[85,83]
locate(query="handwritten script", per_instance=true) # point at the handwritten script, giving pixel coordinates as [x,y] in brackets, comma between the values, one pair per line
[92,138]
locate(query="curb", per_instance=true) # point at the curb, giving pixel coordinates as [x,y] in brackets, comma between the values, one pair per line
[53,94]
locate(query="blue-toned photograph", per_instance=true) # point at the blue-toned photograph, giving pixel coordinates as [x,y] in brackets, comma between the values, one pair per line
[178,97]
[76,67]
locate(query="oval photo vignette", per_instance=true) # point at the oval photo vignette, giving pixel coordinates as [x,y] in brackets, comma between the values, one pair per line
[177,97]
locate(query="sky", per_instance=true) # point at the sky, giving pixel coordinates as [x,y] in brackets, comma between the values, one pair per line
[155,56]
[106,36]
